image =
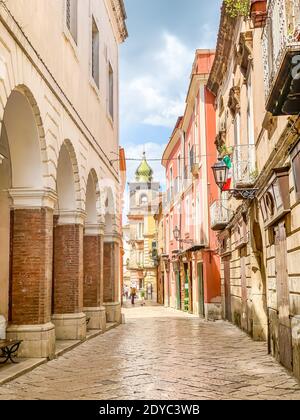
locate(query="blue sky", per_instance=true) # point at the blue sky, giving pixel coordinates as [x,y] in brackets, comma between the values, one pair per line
[155,66]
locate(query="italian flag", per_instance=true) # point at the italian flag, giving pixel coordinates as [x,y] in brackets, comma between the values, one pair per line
[228,163]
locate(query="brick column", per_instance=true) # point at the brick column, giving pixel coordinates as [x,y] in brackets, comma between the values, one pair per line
[31,272]
[68,316]
[111,278]
[93,277]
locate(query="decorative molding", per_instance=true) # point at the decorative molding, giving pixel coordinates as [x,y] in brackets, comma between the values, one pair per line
[94,230]
[120,16]
[30,198]
[71,217]
[234,101]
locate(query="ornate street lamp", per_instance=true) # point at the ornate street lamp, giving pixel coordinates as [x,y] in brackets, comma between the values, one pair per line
[221,172]
[176,234]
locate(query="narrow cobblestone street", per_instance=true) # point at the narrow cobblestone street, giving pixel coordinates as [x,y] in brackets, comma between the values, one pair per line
[160,354]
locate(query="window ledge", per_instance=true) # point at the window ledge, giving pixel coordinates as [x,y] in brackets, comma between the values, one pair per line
[70,40]
[95,88]
[111,121]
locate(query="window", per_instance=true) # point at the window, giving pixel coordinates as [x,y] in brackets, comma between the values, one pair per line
[237,130]
[144,200]
[179,166]
[187,213]
[71,17]
[171,179]
[111,91]
[95,52]
[250,113]
[171,228]
[296,169]
[140,230]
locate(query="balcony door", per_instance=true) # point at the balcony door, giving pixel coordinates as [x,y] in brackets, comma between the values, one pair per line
[284,324]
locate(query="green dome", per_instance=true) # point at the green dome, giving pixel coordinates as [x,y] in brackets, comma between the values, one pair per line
[144,173]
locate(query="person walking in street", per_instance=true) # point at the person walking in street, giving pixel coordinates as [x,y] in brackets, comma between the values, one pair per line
[133,295]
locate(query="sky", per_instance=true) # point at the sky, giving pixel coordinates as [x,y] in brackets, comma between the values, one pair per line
[155,67]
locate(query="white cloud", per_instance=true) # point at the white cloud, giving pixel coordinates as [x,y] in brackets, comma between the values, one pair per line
[157,95]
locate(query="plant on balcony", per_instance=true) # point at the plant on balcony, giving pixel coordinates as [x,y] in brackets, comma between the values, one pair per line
[225,151]
[237,8]
[254,175]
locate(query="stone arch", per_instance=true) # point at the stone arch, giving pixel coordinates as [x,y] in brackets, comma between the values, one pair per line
[109,211]
[67,179]
[25,222]
[92,200]
[25,141]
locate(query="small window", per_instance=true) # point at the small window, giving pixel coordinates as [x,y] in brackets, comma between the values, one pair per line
[95,52]
[111,91]
[295,156]
[144,200]
[71,17]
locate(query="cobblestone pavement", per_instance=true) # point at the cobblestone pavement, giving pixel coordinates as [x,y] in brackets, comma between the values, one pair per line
[160,354]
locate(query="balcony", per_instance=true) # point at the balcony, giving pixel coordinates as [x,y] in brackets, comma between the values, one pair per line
[244,166]
[281,56]
[219,215]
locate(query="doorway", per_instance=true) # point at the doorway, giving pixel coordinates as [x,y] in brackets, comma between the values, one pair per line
[284,328]
[244,291]
[186,288]
[227,289]
[178,291]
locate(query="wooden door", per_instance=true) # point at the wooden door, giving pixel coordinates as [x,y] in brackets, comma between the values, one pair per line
[227,289]
[186,288]
[201,290]
[244,291]
[178,291]
[284,333]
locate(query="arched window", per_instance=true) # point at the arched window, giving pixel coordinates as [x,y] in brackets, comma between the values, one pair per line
[144,200]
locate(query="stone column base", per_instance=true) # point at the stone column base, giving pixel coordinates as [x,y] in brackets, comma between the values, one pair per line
[113,312]
[70,326]
[38,340]
[213,311]
[97,318]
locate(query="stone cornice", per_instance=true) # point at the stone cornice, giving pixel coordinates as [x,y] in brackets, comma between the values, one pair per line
[70,217]
[30,198]
[223,51]
[120,16]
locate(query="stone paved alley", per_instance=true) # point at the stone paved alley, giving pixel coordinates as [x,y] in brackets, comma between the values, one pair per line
[160,354]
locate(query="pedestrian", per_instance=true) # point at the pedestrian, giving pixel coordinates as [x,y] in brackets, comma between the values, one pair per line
[143,302]
[133,295]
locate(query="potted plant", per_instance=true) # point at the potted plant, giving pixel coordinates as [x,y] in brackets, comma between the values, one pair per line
[237,8]
[259,12]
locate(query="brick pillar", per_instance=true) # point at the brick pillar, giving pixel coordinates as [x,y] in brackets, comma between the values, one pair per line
[68,316]
[111,278]
[31,272]
[93,277]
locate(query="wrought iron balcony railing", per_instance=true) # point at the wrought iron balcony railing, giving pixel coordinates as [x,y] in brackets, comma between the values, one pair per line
[281,57]
[219,215]
[244,166]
